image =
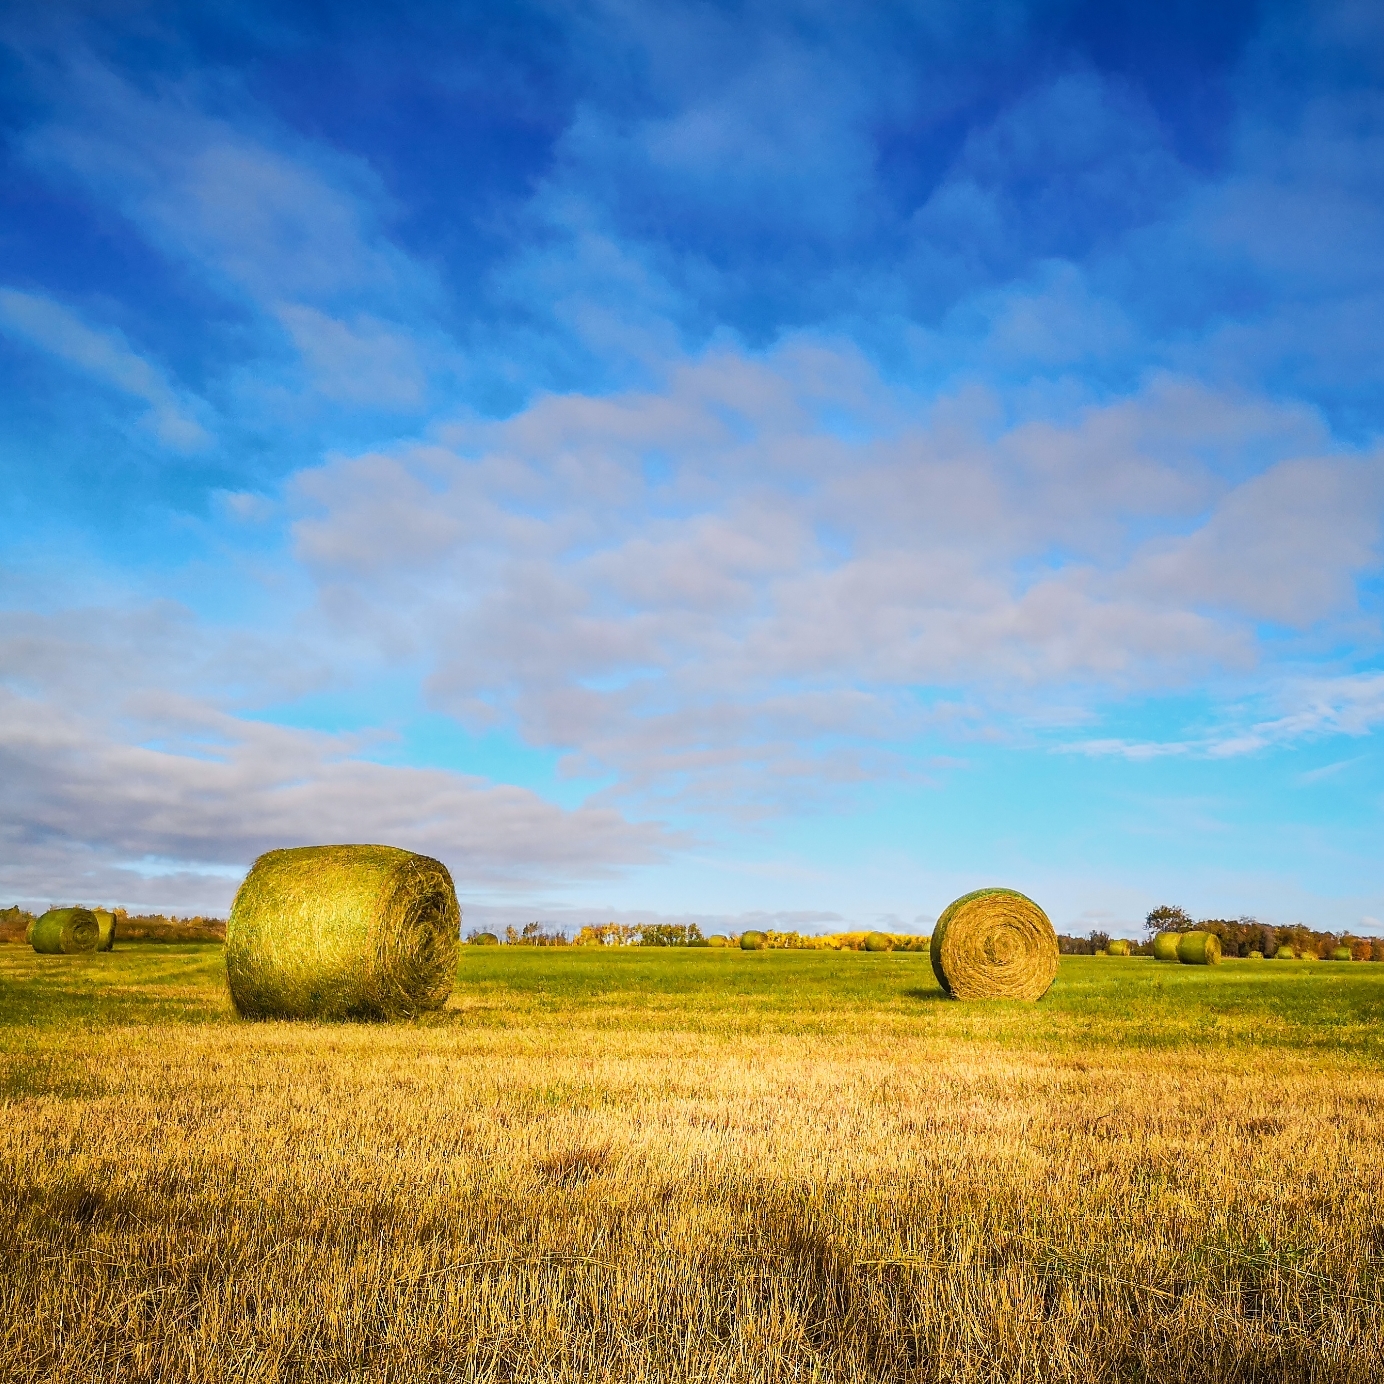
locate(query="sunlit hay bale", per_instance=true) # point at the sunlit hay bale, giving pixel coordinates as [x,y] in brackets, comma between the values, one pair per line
[717,940]
[335,932]
[1342,954]
[1119,947]
[1199,949]
[1100,951]
[753,941]
[994,944]
[105,920]
[63,931]
[484,939]
[878,942]
[1285,953]
[1256,956]
[1165,946]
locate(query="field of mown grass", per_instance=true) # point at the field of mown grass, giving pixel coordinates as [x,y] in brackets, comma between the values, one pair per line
[694,1165]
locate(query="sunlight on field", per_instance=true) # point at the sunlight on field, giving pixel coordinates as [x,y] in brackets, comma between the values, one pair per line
[694,1165]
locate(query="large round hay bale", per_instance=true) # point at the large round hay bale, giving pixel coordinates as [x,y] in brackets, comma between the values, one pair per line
[64,931]
[718,939]
[1117,947]
[105,921]
[336,932]
[1165,946]
[1256,956]
[994,944]
[877,942]
[1285,953]
[1342,954]
[1199,949]
[484,939]
[753,941]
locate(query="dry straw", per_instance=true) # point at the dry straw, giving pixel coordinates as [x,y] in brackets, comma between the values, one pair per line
[878,942]
[1342,954]
[753,941]
[1119,947]
[1165,946]
[994,944]
[1285,953]
[65,930]
[337,932]
[1199,949]
[105,921]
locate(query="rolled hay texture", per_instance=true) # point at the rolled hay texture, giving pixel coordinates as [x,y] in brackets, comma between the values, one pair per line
[1256,956]
[1199,949]
[342,932]
[485,939]
[105,920]
[1342,954]
[1119,947]
[717,940]
[1285,953]
[994,944]
[64,931]
[1165,946]
[753,941]
[878,942]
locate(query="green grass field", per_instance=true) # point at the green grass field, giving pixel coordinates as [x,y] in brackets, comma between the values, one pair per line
[682,1164]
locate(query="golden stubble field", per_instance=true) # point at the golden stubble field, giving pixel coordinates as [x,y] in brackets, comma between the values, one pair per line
[718,1173]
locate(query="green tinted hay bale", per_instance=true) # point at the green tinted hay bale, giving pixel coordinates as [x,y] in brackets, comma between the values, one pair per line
[484,939]
[877,942]
[1199,949]
[105,920]
[1256,956]
[753,941]
[1165,946]
[335,932]
[994,944]
[63,931]
[1285,953]
[1342,954]
[1119,947]
[717,940]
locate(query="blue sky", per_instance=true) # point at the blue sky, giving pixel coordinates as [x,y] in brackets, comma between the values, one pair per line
[697,460]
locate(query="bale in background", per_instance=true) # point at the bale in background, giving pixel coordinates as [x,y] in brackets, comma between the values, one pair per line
[1118,947]
[1256,956]
[1342,954]
[105,920]
[878,942]
[994,944]
[337,932]
[1165,946]
[717,940]
[63,931]
[753,941]
[1285,953]
[484,939]
[1199,949]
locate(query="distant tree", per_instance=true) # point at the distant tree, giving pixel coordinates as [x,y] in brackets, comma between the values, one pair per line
[668,934]
[1098,940]
[534,935]
[1169,917]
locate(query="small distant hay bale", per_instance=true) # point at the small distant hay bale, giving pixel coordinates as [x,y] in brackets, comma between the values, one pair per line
[877,942]
[1285,953]
[1342,954]
[1199,949]
[484,939]
[1256,956]
[1119,947]
[994,944]
[65,931]
[1165,946]
[342,932]
[105,920]
[718,940]
[753,941]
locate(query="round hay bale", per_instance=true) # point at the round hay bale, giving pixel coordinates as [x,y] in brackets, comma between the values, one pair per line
[877,942]
[1285,953]
[994,944]
[105,920]
[338,932]
[483,939]
[753,941]
[1199,949]
[1342,954]
[1165,946]
[63,931]
[1119,947]
[718,940]
[1256,956]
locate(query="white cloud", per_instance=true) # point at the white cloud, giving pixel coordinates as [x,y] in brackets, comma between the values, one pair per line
[108,357]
